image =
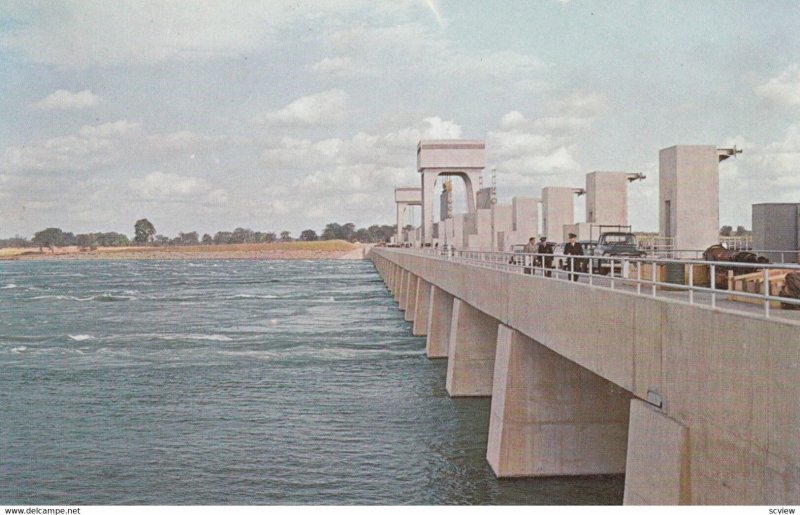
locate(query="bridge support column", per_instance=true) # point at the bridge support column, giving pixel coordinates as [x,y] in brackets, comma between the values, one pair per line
[388,274]
[552,417]
[394,280]
[411,298]
[401,281]
[658,458]
[439,318]
[470,352]
[422,306]
[403,300]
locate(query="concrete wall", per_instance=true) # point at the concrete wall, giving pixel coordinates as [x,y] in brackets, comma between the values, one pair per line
[689,181]
[776,227]
[525,216]
[558,210]
[607,198]
[728,431]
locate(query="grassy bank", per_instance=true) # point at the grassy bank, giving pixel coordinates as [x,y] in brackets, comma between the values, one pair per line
[328,249]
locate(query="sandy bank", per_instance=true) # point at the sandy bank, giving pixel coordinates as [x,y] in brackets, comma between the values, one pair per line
[287,250]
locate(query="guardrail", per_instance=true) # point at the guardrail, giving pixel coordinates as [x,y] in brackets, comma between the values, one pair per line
[639,276]
[778,256]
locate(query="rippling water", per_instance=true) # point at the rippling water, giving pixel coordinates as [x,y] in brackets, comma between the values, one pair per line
[234,382]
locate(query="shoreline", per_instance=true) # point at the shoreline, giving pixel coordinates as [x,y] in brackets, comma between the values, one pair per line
[283,251]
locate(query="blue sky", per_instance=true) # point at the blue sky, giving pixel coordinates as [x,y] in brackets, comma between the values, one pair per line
[286,115]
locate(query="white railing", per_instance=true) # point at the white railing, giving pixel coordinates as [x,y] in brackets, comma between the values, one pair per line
[641,276]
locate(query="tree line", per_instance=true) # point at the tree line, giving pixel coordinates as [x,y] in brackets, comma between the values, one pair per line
[145,234]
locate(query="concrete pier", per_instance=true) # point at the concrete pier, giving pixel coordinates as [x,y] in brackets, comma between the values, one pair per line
[422,306]
[439,318]
[665,465]
[552,417]
[410,298]
[471,351]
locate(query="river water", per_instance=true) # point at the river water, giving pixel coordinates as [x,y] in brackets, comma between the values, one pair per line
[234,382]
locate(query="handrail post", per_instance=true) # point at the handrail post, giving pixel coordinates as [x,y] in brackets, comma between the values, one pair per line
[691,283]
[638,277]
[713,271]
[654,266]
[613,265]
[766,292]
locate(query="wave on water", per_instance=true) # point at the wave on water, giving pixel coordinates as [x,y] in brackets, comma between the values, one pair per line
[17,350]
[9,286]
[203,337]
[250,296]
[80,337]
[105,297]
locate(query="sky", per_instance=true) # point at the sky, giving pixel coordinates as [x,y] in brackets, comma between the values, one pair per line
[284,115]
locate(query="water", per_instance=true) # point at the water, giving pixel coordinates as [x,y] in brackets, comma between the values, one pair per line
[234,382]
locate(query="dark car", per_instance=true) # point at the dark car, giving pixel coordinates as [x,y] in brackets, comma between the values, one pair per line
[614,244]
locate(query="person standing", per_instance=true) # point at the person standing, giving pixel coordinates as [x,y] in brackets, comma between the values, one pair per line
[544,261]
[529,248]
[573,248]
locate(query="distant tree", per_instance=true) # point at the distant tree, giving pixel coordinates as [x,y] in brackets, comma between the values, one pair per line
[286,236]
[309,235]
[207,239]
[161,241]
[270,237]
[741,231]
[362,235]
[188,238]
[348,231]
[145,231]
[242,235]
[111,239]
[222,238]
[17,241]
[725,230]
[332,231]
[50,238]
[85,241]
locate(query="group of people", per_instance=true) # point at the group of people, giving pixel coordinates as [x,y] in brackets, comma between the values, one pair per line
[545,261]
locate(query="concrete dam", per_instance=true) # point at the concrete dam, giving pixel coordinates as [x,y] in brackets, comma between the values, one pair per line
[693,403]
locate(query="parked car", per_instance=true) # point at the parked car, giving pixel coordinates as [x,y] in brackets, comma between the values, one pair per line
[614,245]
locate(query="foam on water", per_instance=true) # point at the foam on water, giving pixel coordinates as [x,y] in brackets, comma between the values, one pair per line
[80,337]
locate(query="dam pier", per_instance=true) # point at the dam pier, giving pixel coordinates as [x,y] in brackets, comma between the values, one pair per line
[694,401]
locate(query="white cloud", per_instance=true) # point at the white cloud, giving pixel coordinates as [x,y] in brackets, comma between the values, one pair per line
[333,65]
[334,178]
[370,50]
[79,34]
[93,146]
[530,149]
[65,100]
[169,186]
[390,149]
[783,89]
[319,109]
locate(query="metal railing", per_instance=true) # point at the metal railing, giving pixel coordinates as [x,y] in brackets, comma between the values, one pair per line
[641,276]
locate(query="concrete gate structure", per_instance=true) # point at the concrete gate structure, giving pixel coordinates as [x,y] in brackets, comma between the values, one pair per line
[688,194]
[462,158]
[405,197]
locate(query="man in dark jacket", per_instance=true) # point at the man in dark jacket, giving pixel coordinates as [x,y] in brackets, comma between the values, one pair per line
[544,248]
[573,248]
